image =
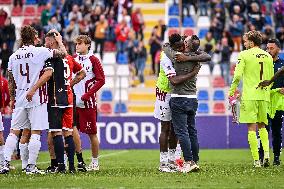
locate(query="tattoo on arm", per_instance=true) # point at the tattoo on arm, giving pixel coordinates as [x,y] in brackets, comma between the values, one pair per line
[60,52]
[12,86]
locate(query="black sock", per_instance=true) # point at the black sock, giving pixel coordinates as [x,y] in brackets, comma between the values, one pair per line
[54,163]
[80,157]
[59,148]
[70,149]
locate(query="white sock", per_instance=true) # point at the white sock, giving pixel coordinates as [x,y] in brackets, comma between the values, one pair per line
[171,155]
[34,147]
[178,152]
[24,151]
[163,157]
[2,159]
[95,161]
[10,146]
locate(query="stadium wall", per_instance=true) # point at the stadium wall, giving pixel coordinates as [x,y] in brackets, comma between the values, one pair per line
[215,132]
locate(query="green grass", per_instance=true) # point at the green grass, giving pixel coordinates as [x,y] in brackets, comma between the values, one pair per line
[138,169]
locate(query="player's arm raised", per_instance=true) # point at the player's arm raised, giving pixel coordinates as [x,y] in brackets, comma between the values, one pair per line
[201,56]
[61,52]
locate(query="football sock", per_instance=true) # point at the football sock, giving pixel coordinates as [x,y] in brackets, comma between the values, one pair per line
[253,144]
[178,152]
[263,134]
[95,161]
[70,149]
[171,155]
[59,148]
[34,147]
[163,157]
[24,152]
[2,155]
[80,157]
[53,163]
[10,146]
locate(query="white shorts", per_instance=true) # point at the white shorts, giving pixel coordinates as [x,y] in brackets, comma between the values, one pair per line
[1,123]
[35,118]
[162,108]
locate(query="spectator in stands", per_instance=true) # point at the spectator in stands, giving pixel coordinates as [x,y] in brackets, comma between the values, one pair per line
[237,11]
[236,29]
[111,26]
[109,4]
[125,16]
[5,54]
[75,13]
[203,6]
[127,4]
[3,17]
[155,43]
[162,28]
[186,6]
[138,23]
[45,15]
[216,28]
[37,26]
[59,17]
[251,27]
[219,13]
[9,33]
[268,31]
[255,16]
[269,6]
[227,35]
[84,28]
[18,2]
[53,24]
[280,35]
[208,45]
[225,51]
[141,54]
[87,8]
[278,11]
[71,32]
[250,4]
[100,35]
[131,49]
[42,2]
[121,32]
[237,3]
[95,15]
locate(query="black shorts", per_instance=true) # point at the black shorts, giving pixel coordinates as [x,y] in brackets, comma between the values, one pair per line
[55,117]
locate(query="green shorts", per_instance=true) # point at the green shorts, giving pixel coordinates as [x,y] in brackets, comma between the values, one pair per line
[254,111]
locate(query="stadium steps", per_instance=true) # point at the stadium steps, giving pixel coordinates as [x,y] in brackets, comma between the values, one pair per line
[141,108]
[142,97]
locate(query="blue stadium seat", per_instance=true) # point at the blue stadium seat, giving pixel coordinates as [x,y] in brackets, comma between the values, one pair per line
[202,33]
[120,108]
[219,95]
[106,95]
[174,10]
[188,22]
[31,2]
[268,20]
[203,95]
[203,108]
[173,23]
[122,58]
[281,55]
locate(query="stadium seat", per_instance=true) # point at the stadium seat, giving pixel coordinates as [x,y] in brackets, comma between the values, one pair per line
[202,33]
[122,58]
[122,82]
[202,82]
[109,83]
[172,31]
[122,70]
[173,23]
[109,47]
[120,108]
[109,70]
[218,82]
[188,22]
[219,95]
[5,2]
[203,22]
[106,95]
[31,2]
[121,95]
[105,108]
[217,70]
[204,70]
[174,10]
[27,21]
[203,108]
[39,10]
[17,11]
[29,11]
[219,108]
[203,95]
[109,58]
[188,32]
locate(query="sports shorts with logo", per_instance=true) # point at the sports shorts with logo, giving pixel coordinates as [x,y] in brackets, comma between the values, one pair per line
[162,106]
[86,120]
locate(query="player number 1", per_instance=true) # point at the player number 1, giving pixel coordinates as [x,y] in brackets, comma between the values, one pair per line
[261,70]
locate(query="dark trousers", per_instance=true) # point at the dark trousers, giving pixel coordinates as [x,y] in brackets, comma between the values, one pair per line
[183,118]
[101,43]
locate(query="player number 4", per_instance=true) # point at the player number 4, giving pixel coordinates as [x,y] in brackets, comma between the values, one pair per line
[27,72]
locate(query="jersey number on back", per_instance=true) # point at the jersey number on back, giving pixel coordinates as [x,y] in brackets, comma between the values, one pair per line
[261,70]
[26,72]
[67,72]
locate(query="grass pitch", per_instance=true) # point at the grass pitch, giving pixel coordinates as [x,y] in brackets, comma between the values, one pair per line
[138,169]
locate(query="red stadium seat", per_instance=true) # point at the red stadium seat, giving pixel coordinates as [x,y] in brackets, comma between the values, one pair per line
[39,10]
[27,21]
[17,11]
[5,1]
[105,108]
[219,108]
[172,31]
[109,47]
[30,11]
[188,32]
[219,82]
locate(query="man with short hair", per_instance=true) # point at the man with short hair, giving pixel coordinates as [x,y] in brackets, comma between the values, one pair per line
[254,65]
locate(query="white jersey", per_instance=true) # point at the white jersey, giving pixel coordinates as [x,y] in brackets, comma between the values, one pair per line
[26,65]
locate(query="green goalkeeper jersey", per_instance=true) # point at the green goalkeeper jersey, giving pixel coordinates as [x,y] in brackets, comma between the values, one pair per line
[254,65]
